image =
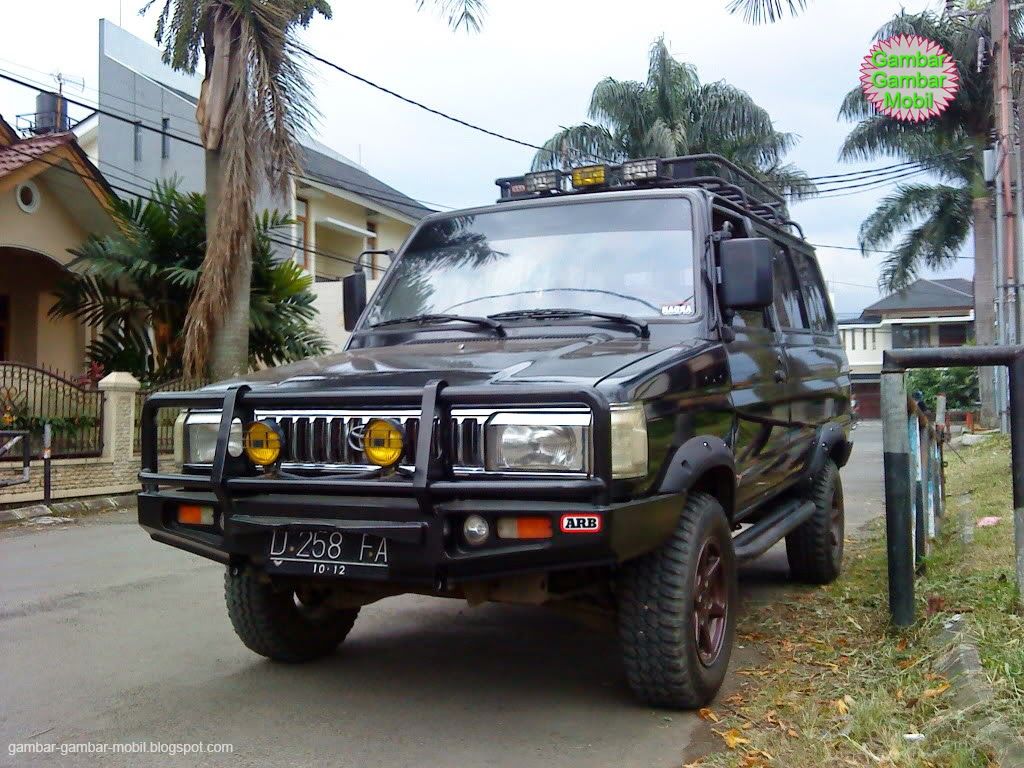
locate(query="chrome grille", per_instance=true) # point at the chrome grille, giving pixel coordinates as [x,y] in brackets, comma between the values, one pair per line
[321,439]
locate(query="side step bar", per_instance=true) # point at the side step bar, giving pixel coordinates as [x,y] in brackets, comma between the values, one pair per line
[765,533]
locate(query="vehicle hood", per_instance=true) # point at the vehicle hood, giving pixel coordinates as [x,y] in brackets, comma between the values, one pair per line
[581,361]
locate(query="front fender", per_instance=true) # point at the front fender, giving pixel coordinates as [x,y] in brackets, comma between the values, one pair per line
[706,463]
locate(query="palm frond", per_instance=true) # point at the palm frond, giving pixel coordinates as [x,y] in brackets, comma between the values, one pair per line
[759,11]
[460,14]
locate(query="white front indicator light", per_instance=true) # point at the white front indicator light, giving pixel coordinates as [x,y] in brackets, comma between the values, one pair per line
[199,438]
[535,442]
[641,170]
[475,530]
[629,441]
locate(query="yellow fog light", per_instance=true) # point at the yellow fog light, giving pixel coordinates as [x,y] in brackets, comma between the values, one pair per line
[588,176]
[383,442]
[263,442]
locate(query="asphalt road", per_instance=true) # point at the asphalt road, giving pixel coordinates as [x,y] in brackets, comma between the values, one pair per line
[107,637]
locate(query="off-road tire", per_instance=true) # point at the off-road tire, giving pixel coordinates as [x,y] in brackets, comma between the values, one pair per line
[660,604]
[270,621]
[815,549]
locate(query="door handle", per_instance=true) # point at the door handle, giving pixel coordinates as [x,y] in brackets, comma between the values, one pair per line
[780,375]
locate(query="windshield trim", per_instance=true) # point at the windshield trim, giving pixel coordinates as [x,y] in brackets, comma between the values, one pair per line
[693,196]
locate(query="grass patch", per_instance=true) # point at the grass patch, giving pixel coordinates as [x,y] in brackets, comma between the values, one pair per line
[839,686]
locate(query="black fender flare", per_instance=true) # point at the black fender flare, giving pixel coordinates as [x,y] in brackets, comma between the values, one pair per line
[830,441]
[693,460]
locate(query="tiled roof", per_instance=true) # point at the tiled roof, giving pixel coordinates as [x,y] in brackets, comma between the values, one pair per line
[24,152]
[953,292]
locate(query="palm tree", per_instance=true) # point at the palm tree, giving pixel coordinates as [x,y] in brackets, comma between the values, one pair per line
[930,220]
[134,288]
[254,104]
[674,113]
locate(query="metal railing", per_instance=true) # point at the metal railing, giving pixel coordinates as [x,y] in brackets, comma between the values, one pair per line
[32,397]
[910,496]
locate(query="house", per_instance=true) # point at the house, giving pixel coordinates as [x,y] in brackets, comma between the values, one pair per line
[929,313]
[340,208]
[51,198]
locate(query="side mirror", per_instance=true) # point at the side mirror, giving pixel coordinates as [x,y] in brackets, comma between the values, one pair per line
[353,296]
[747,281]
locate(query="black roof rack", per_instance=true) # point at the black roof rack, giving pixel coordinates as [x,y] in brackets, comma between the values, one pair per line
[714,173]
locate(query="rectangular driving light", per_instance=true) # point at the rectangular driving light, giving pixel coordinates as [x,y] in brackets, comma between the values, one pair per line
[589,176]
[543,181]
[648,169]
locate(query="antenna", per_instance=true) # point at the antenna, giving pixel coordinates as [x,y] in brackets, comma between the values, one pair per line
[62,79]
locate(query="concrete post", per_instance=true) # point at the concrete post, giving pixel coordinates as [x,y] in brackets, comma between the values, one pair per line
[899,521]
[119,390]
[985,301]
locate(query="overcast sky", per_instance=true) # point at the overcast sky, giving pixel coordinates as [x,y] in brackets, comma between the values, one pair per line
[530,70]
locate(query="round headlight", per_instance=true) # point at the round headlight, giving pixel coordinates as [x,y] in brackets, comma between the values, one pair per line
[383,442]
[475,530]
[263,442]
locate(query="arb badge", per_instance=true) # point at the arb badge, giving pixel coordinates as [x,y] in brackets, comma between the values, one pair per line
[580,524]
[909,77]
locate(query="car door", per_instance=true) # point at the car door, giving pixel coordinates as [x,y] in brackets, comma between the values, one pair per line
[814,353]
[757,365]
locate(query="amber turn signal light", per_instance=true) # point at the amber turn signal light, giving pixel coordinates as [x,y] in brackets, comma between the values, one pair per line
[524,528]
[193,514]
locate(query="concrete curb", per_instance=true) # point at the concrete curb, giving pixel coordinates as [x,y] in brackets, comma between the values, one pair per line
[73,507]
[971,693]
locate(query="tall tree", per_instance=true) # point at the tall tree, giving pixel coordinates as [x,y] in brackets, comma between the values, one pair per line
[254,104]
[674,113]
[926,223]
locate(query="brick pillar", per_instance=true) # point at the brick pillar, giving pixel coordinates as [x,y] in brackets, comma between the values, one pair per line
[119,390]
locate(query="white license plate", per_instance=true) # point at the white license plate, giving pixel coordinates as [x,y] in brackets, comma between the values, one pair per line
[304,551]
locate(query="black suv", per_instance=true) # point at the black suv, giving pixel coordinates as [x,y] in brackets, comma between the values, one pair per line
[604,391]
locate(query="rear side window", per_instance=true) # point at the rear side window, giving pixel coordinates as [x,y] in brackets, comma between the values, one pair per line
[819,314]
[788,305]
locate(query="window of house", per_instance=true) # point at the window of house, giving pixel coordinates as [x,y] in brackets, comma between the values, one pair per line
[853,340]
[5,326]
[874,340]
[864,339]
[165,138]
[138,142]
[819,314]
[953,334]
[302,232]
[910,336]
[788,306]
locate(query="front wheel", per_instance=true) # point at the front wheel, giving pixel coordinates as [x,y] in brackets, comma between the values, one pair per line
[284,623]
[677,610]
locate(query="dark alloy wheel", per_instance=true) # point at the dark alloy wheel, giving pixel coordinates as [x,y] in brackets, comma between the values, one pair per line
[710,604]
[815,549]
[675,610]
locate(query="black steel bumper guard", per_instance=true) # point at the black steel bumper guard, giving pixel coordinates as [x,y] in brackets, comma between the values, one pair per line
[417,514]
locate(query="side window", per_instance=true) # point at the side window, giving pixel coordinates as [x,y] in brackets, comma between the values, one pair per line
[788,305]
[819,314]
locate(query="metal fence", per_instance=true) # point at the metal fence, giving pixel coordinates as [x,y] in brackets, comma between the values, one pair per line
[167,417]
[914,481]
[32,397]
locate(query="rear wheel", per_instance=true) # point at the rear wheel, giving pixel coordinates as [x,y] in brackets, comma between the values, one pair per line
[284,623]
[677,610]
[815,549]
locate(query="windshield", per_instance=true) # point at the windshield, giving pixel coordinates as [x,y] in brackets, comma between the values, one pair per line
[633,257]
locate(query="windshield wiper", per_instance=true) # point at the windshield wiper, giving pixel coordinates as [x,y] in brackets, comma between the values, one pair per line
[430,319]
[557,314]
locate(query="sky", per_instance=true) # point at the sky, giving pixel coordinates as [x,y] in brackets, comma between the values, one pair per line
[529,71]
